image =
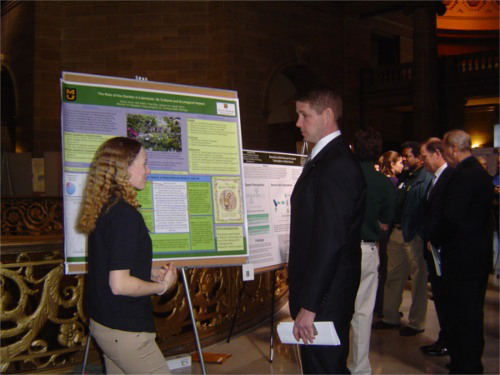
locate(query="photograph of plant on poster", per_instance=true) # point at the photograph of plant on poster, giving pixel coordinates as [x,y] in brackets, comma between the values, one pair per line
[156,133]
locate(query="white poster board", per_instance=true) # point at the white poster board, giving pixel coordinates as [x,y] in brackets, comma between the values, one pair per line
[269,181]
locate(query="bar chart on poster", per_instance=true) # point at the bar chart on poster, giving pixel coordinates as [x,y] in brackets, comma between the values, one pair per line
[193,203]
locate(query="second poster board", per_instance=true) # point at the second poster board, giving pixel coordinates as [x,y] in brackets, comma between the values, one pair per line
[269,181]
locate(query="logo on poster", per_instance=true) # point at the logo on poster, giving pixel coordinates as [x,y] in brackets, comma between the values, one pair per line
[227,109]
[70,94]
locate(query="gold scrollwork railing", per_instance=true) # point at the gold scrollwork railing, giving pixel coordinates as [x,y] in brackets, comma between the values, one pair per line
[31,216]
[43,320]
[43,324]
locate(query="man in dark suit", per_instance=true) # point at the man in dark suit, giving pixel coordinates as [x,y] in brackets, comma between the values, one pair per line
[328,203]
[466,252]
[432,156]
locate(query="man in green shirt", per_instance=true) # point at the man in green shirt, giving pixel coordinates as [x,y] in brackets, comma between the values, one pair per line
[380,205]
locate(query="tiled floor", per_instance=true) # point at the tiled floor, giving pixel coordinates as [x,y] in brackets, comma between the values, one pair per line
[389,353]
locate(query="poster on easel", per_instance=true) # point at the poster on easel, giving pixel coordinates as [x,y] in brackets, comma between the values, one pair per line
[193,203]
[269,181]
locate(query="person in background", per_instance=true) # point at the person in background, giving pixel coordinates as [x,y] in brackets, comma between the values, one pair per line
[432,156]
[484,163]
[380,205]
[405,248]
[496,211]
[496,177]
[120,277]
[327,208]
[466,248]
[392,165]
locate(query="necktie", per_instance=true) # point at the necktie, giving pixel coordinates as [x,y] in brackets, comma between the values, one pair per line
[434,178]
[308,159]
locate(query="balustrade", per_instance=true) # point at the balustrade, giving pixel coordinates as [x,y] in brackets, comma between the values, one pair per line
[463,68]
[43,320]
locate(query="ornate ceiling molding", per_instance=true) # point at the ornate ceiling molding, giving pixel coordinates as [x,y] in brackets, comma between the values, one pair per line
[470,15]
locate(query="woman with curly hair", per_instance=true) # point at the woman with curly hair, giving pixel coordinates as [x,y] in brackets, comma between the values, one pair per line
[120,277]
[392,165]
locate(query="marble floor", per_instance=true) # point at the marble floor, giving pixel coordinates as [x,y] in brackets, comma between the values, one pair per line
[389,352]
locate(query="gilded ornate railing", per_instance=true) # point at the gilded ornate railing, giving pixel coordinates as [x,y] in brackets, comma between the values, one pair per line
[43,321]
[31,216]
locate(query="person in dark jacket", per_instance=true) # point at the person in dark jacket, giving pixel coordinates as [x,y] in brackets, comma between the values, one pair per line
[466,243]
[432,156]
[405,248]
[327,207]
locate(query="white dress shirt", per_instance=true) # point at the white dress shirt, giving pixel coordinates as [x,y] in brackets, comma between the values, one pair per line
[323,142]
[438,172]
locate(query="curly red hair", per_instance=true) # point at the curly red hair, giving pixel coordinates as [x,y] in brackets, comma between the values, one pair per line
[108,177]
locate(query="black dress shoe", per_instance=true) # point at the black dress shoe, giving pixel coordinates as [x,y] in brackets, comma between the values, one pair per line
[431,346]
[435,350]
[408,331]
[425,348]
[383,325]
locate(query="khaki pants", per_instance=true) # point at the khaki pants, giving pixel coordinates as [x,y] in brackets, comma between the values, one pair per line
[405,259]
[361,322]
[129,352]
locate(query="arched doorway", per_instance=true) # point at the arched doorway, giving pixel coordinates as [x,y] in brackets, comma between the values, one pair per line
[280,105]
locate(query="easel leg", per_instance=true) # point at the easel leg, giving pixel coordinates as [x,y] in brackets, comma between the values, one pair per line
[238,303]
[86,353]
[271,339]
[193,320]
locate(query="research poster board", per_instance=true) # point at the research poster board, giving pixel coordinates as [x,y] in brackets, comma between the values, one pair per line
[193,203]
[269,181]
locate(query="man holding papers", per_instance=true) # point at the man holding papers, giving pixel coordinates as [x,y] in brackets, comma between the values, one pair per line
[432,155]
[328,203]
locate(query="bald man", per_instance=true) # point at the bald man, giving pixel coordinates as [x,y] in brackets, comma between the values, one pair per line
[466,252]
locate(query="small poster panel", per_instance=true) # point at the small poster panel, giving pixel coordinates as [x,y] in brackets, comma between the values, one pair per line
[269,181]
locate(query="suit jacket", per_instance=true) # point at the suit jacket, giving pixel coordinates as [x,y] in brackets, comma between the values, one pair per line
[327,207]
[433,209]
[412,215]
[467,236]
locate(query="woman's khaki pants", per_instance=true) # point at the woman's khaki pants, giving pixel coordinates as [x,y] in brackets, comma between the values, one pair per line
[129,352]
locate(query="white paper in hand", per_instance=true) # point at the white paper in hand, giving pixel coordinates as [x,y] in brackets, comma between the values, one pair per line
[327,335]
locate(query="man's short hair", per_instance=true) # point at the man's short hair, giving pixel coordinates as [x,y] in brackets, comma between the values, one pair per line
[458,138]
[321,98]
[368,144]
[414,146]
[433,144]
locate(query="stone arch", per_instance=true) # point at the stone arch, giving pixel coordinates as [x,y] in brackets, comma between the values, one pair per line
[285,82]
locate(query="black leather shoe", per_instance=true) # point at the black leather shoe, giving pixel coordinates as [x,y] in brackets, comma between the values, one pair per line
[408,331]
[383,325]
[426,348]
[431,346]
[436,350]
